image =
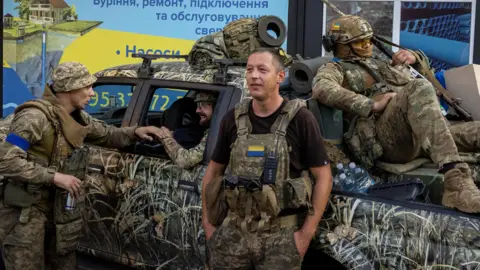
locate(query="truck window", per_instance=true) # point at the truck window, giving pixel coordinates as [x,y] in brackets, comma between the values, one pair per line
[175,109]
[109,96]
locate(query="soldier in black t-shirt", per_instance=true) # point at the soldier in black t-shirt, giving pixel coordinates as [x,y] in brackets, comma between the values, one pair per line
[269,145]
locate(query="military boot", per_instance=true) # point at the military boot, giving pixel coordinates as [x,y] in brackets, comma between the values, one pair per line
[459,190]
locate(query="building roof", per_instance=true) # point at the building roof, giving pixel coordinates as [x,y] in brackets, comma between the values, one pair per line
[8,15]
[54,3]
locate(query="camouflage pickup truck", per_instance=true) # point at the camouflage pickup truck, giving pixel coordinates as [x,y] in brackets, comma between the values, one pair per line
[145,211]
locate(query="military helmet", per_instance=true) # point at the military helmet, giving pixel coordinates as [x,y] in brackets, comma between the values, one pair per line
[349,28]
[69,76]
[205,97]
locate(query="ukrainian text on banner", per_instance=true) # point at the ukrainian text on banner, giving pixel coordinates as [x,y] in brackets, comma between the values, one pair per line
[40,34]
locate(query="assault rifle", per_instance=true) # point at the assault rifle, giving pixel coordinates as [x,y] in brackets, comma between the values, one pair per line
[441,91]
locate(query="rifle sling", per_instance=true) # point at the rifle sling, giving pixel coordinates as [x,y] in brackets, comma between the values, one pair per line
[433,80]
[428,72]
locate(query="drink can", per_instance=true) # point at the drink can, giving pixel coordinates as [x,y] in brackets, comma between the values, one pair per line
[70,205]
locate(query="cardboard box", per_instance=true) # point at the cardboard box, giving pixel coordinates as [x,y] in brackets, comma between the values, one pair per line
[464,83]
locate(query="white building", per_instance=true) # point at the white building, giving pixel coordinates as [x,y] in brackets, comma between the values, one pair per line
[48,11]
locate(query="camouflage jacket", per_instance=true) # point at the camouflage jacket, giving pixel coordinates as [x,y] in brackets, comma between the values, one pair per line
[347,90]
[185,158]
[32,125]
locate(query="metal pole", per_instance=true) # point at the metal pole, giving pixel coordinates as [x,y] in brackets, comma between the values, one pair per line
[44,56]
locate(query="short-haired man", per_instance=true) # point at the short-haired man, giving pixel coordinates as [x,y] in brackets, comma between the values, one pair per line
[269,145]
[36,229]
[188,158]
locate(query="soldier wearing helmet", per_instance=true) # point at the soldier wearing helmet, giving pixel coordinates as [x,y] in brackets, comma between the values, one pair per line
[188,158]
[43,134]
[395,118]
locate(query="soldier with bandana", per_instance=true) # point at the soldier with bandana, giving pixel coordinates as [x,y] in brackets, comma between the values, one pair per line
[394,117]
[188,158]
[268,147]
[37,231]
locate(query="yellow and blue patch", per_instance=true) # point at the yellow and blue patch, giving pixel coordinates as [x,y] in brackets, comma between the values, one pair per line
[336,26]
[256,151]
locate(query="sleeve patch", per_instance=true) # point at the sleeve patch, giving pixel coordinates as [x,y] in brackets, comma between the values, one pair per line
[18,141]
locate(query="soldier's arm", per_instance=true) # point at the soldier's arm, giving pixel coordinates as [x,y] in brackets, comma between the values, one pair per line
[109,136]
[184,158]
[26,129]
[316,159]
[327,89]
[421,57]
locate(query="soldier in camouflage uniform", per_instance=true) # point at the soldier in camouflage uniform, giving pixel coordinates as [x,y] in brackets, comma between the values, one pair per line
[42,135]
[188,158]
[267,145]
[394,117]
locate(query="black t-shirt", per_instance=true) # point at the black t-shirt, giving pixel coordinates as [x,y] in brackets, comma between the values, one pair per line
[303,135]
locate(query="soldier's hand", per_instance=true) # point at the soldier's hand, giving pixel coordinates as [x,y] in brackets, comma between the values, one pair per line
[403,56]
[164,133]
[68,182]
[209,230]
[146,133]
[380,105]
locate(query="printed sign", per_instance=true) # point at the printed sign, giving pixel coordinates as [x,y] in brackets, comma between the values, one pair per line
[40,34]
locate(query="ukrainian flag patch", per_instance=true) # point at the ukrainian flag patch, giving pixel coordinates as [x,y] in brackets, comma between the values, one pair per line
[255,151]
[336,26]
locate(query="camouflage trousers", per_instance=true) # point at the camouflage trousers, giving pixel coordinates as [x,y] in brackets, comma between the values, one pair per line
[231,248]
[413,126]
[30,246]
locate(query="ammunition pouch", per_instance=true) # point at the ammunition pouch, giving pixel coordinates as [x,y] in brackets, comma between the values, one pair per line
[68,236]
[15,195]
[255,207]
[362,141]
[69,222]
[23,196]
[298,193]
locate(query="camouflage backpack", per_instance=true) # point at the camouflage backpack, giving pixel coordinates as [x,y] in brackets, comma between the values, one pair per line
[236,41]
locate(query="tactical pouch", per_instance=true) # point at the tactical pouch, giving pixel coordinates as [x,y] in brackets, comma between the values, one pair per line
[266,201]
[68,236]
[62,215]
[15,195]
[215,201]
[298,193]
[362,141]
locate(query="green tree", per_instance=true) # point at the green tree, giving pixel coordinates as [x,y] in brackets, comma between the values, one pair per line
[23,8]
[71,12]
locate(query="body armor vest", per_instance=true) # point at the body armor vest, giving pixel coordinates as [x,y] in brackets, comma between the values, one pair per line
[54,151]
[360,78]
[258,186]
[365,78]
